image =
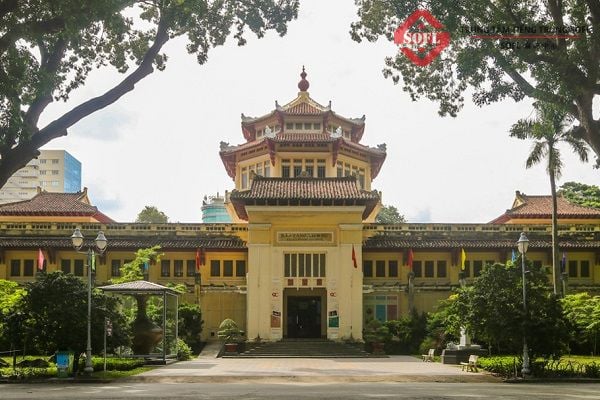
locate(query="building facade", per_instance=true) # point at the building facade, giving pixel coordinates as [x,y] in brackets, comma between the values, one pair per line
[303,257]
[54,171]
[214,210]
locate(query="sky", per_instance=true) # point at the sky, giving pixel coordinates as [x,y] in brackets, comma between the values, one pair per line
[159,144]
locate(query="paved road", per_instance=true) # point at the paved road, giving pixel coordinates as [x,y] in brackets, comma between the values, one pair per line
[288,391]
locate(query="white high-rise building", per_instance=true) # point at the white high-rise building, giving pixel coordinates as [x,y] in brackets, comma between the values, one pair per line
[54,171]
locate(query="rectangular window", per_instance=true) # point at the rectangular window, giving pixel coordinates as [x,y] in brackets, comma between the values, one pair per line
[294,264]
[240,268]
[321,168]
[228,268]
[15,267]
[165,268]
[340,169]
[301,265]
[585,269]
[367,268]
[191,267]
[441,269]
[54,172]
[43,161]
[297,168]
[215,268]
[298,126]
[78,267]
[289,126]
[572,269]
[28,268]
[467,269]
[43,172]
[429,269]
[477,267]
[307,126]
[287,265]
[244,178]
[178,268]
[417,269]
[65,266]
[285,168]
[317,126]
[393,269]
[267,167]
[380,269]
[115,267]
[54,161]
[347,170]
[310,167]
[361,178]
[259,169]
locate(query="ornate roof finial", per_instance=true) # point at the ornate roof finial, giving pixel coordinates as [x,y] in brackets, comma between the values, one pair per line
[303,84]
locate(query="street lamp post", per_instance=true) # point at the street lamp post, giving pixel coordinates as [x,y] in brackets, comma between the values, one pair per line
[100,245]
[522,244]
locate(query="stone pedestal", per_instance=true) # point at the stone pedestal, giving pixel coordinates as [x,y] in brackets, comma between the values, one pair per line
[456,356]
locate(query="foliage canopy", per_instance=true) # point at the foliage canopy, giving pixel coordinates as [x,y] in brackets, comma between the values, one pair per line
[48,48]
[152,215]
[389,215]
[582,194]
[559,71]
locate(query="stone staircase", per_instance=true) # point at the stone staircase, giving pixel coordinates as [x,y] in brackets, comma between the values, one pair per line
[302,348]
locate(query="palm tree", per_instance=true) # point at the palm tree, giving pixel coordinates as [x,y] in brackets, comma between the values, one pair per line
[550,127]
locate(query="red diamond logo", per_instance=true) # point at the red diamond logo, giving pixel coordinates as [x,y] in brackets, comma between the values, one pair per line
[421,37]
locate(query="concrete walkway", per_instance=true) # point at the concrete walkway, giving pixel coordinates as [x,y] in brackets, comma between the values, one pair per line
[207,368]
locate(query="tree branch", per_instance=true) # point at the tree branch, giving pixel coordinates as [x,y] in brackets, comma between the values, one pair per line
[59,126]
[36,28]
[49,66]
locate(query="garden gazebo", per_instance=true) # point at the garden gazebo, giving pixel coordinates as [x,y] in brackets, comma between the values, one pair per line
[150,340]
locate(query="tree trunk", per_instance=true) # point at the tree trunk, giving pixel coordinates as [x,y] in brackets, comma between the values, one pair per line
[555,263]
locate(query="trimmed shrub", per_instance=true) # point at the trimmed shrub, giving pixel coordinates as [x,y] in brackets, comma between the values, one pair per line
[184,352]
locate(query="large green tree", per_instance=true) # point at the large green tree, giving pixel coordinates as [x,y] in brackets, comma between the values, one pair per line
[11,295]
[152,215]
[583,312]
[548,130]
[581,193]
[48,48]
[491,309]
[389,215]
[56,310]
[560,71]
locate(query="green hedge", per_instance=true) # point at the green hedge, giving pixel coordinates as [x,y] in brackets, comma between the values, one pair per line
[510,366]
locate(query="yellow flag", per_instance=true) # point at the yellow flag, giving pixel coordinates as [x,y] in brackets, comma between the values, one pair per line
[463,257]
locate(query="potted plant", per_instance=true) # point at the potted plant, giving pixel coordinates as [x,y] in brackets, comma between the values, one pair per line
[231,334]
[376,334]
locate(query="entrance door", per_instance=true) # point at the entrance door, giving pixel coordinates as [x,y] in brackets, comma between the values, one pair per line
[303,317]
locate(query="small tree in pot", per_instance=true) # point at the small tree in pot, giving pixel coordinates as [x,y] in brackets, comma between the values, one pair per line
[231,334]
[376,334]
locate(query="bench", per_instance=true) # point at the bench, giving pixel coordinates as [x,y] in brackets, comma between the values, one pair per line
[471,365]
[429,356]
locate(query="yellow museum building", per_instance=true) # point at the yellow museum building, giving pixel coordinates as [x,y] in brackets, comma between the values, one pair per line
[303,257]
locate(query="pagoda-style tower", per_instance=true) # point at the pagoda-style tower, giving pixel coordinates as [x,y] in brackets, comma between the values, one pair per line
[303,184]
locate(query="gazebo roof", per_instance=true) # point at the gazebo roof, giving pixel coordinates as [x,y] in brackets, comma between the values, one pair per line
[138,287]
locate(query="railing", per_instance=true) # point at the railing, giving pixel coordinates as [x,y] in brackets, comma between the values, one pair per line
[14,356]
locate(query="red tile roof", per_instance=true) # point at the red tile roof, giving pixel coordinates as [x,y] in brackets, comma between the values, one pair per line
[52,204]
[303,109]
[526,206]
[304,188]
[304,191]
[287,137]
